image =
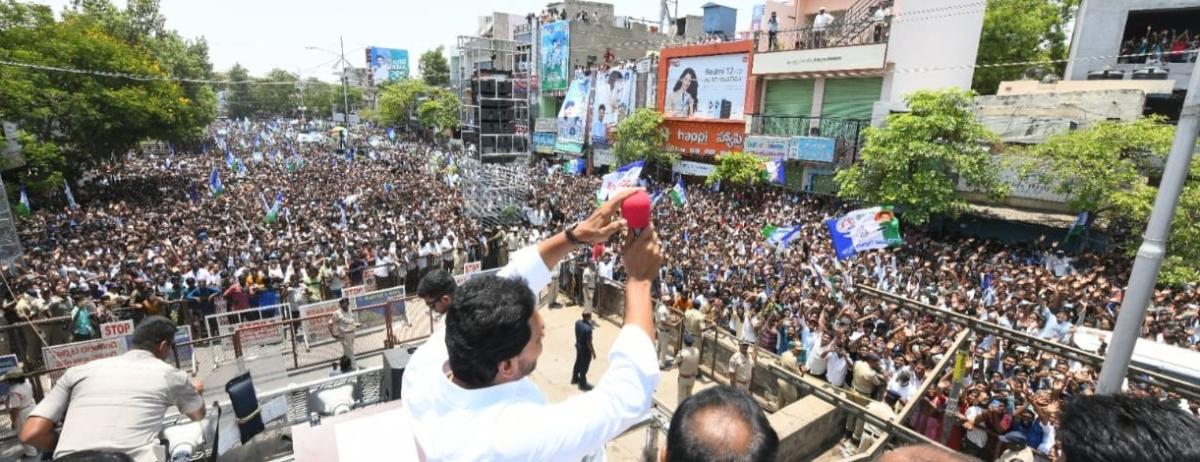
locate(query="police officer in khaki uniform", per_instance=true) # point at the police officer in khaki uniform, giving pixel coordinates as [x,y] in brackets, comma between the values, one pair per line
[789,361]
[741,364]
[688,360]
[663,324]
[342,326]
[693,321]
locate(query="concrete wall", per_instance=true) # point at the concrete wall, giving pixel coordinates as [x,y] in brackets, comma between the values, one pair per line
[626,43]
[807,428]
[1099,27]
[918,45]
[1031,118]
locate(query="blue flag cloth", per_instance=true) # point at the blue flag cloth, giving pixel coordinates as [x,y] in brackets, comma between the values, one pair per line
[193,194]
[214,183]
[70,197]
[387,187]
[391,133]
[342,208]
[843,245]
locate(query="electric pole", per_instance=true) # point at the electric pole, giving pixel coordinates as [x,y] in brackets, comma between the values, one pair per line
[1154,245]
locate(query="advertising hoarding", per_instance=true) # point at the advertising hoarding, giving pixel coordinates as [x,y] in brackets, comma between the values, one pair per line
[707,87]
[612,102]
[572,117]
[387,64]
[553,54]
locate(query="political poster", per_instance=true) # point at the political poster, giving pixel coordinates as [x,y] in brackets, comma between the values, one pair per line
[317,330]
[813,148]
[554,52]
[864,229]
[7,363]
[74,354]
[707,87]
[612,102]
[624,177]
[543,143]
[387,64]
[572,117]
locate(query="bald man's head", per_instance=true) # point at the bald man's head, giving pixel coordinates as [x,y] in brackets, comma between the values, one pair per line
[924,453]
[720,424]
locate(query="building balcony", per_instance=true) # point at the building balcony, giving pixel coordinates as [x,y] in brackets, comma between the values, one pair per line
[838,34]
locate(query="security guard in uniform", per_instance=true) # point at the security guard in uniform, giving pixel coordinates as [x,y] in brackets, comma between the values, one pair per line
[741,365]
[789,361]
[342,326]
[693,321]
[662,324]
[688,360]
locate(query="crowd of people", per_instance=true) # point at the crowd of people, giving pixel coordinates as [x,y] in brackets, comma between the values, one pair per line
[800,301]
[289,222]
[1161,47]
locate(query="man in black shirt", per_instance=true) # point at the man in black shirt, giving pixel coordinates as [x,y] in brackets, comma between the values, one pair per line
[584,351]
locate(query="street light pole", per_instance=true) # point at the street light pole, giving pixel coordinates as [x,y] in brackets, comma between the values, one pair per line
[1154,245]
[345,84]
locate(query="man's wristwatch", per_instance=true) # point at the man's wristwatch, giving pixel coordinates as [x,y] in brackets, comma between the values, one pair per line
[570,232]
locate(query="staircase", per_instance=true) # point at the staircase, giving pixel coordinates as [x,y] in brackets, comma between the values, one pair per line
[857,22]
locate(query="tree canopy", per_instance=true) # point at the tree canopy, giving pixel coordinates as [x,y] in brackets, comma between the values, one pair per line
[1106,170]
[435,108]
[641,136]
[915,161]
[434,69]
[73,120]
[1022,31]
[739,168]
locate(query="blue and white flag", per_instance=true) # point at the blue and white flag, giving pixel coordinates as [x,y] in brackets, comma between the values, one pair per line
[230,161]
[679,194]
[622,178]
[387,187]
[864,229]
[70,197]
[775,171]
[781,236]
[342,208]
[391,133]
[214,183]
[193,194]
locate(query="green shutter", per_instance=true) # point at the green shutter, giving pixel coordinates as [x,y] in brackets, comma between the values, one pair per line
[850,98]
[793,98]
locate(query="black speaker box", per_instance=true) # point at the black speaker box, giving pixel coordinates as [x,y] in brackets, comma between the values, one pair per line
[394,363]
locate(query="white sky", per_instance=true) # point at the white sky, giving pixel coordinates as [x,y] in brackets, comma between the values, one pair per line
[265,34]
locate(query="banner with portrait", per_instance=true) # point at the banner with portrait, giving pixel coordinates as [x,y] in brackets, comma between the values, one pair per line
[387,64]
[554,51]
[572,117]
[612,102]
[707,87]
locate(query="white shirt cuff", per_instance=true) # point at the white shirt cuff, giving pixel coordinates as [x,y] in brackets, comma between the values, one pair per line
[527,263]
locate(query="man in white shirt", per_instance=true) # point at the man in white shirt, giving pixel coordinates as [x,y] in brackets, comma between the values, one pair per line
[475,382]
[820,27]
[19,402]
[836,363]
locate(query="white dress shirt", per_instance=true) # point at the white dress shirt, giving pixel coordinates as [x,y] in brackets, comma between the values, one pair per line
[512,421]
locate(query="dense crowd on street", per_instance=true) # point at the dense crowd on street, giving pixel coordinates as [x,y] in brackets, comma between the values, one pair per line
[292,223]
[800,302]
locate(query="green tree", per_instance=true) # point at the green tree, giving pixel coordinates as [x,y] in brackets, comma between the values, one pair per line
[238,96]
[439,110]
[316,97]
[1105,170]
[914,161]
[641,136]
[1021,31]
[434,69]
[272,98]
[739,168]
[398,101]
[89,118]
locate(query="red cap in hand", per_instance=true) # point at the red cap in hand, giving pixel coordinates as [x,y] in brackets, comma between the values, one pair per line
[636,210]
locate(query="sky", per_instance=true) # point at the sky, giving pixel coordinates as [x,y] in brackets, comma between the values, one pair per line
[267,34]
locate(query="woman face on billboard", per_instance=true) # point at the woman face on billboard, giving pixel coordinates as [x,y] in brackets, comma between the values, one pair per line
[682,101]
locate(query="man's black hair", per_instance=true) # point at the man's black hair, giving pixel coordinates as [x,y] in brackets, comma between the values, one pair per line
[721,424]
[152,331]
[1118,428]
[487,323]
[436,284]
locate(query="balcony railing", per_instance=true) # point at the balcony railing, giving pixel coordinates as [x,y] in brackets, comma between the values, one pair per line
[838,34]
[848,134]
